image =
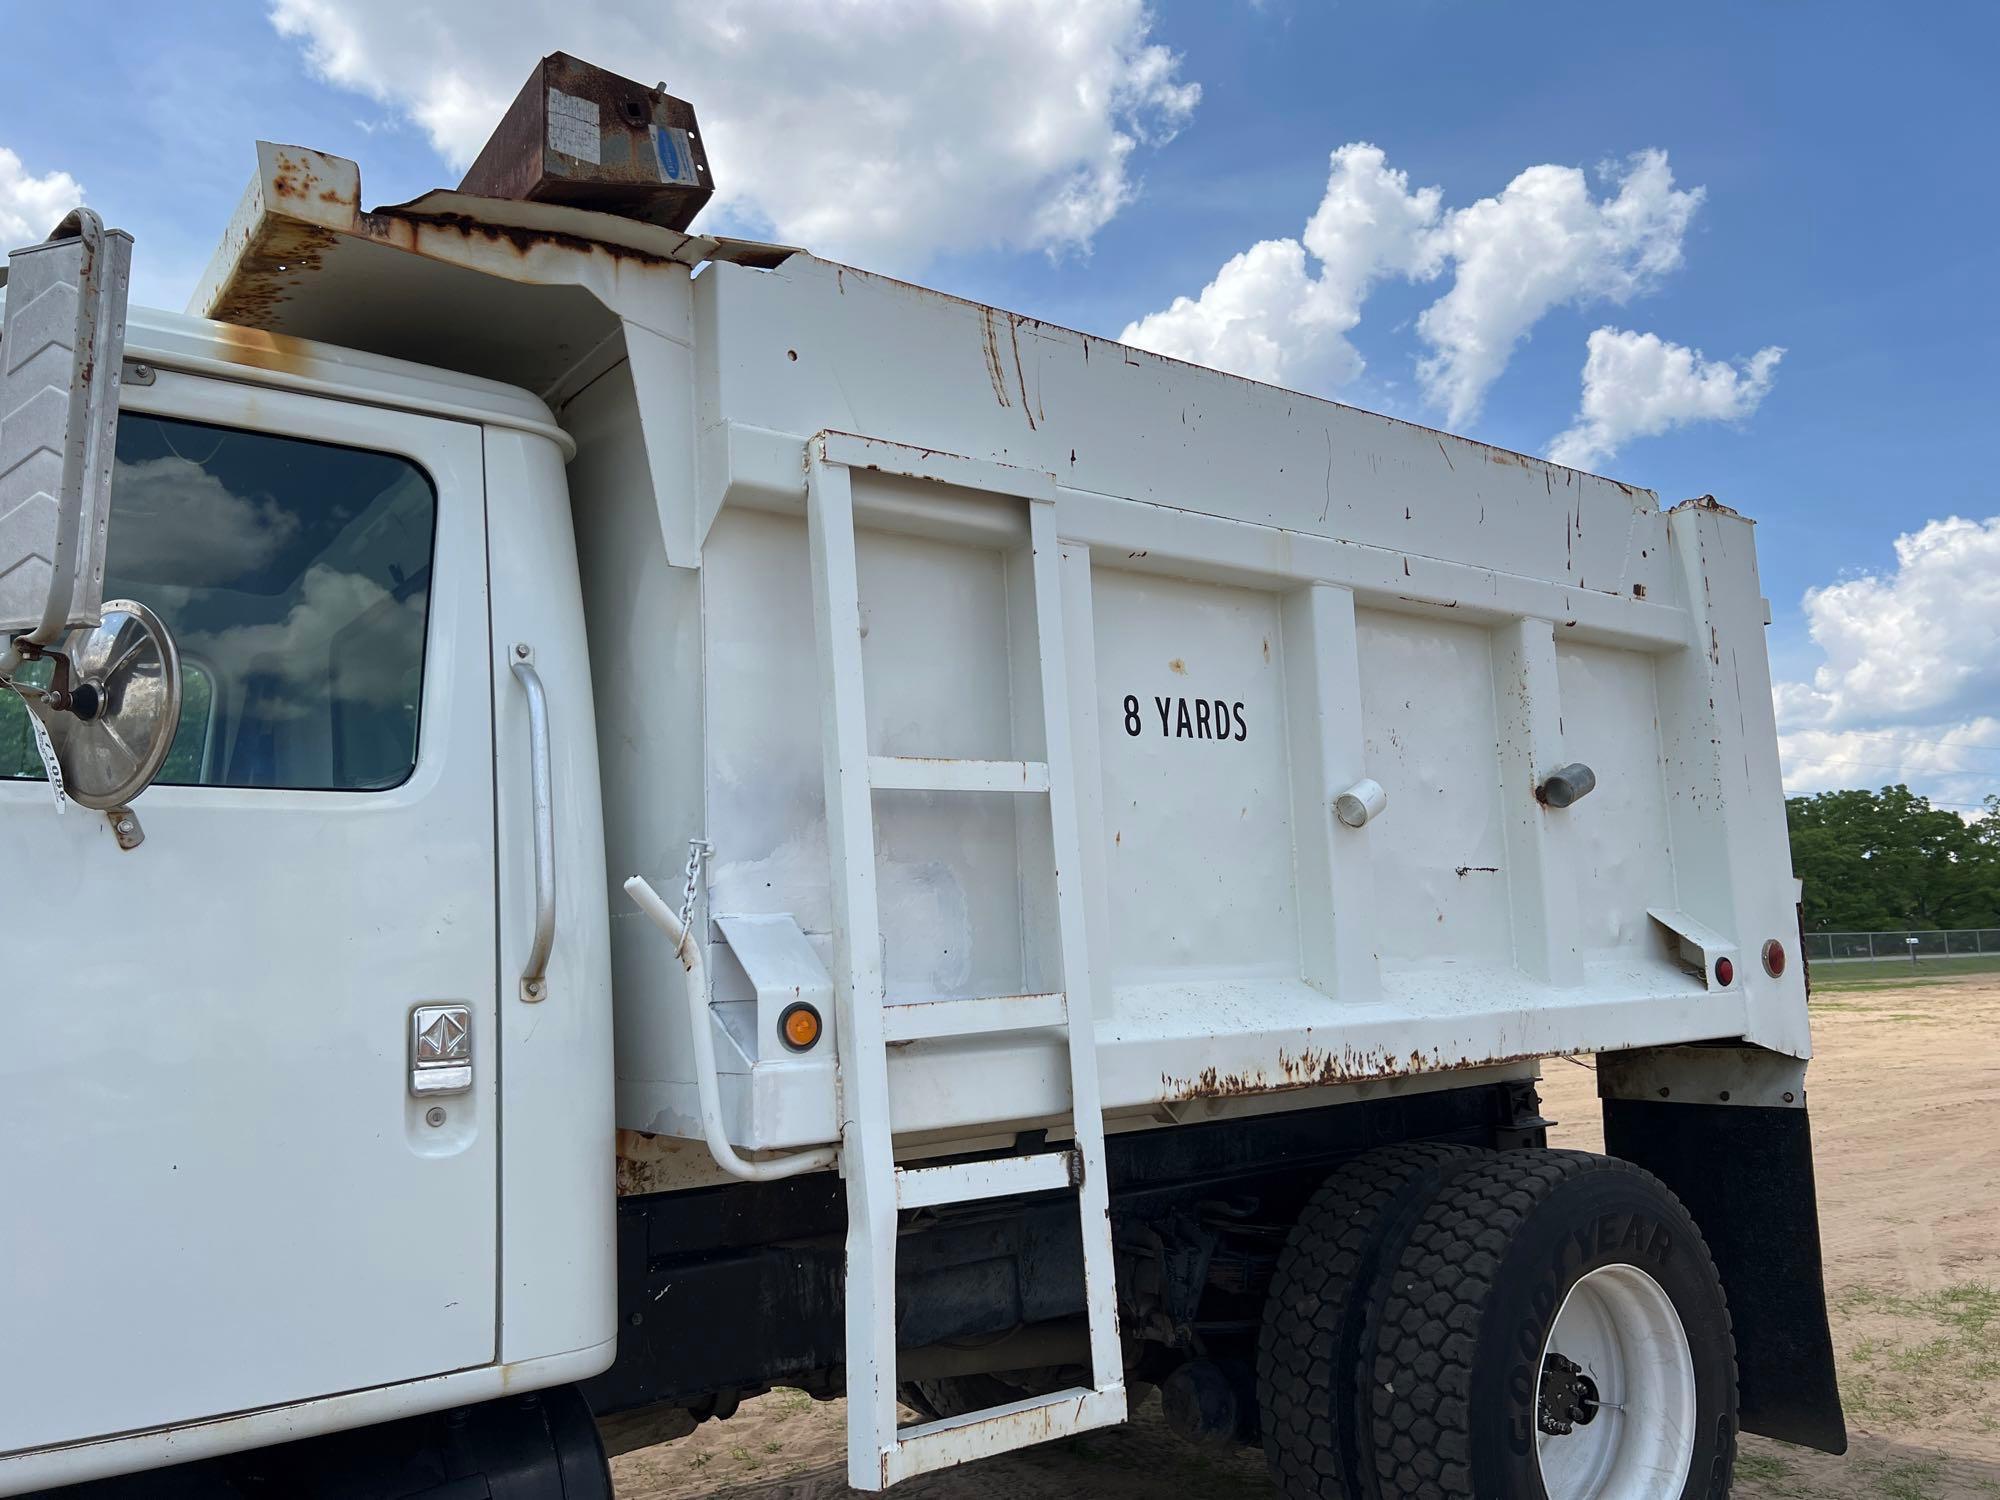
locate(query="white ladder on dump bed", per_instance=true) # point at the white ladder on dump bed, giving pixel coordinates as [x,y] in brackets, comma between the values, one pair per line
[878,1453]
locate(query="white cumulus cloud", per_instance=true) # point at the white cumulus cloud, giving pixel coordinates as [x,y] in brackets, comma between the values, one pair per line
[297,655]
[1249,320]
[1911,646]
[1910,688]
[1275,314]
[1267,316]
[31,206]
[1639,385]
[1950,763]
[1544,241]
[179,524]
[883,133]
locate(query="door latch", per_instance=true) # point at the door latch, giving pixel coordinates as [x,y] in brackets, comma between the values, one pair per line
[440,1049]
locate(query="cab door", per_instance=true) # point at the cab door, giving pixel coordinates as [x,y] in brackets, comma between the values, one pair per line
[247,1069]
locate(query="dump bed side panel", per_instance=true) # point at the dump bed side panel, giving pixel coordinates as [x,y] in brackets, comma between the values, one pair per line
[1268,600]
[812,346]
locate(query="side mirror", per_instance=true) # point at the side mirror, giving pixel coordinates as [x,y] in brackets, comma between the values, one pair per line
[110,703]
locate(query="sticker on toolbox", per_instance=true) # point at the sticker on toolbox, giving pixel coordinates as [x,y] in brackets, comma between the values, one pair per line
[676,155]
[573,127]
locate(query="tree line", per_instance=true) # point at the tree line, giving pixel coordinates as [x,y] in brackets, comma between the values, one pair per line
[1880,861]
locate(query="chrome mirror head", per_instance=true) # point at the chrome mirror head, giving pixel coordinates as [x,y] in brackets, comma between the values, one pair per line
[112,705]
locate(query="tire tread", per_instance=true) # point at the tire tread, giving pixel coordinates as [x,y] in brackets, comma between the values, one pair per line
[1428,1335]
[1313,1298]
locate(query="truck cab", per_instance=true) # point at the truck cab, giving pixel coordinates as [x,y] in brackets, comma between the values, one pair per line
[264,1100]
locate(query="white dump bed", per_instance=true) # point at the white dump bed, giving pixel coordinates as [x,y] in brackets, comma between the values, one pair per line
[1265,599]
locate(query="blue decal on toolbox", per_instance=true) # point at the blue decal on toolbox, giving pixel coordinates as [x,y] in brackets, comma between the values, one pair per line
[676,164]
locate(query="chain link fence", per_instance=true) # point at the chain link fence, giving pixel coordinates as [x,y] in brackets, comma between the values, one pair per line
[1957,942]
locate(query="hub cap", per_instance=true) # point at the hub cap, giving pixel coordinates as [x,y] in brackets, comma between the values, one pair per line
[1615,1415]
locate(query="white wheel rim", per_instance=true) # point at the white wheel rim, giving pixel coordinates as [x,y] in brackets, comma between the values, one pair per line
[1619,1326]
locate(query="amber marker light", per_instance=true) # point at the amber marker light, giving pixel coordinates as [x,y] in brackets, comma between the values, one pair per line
[799,1026]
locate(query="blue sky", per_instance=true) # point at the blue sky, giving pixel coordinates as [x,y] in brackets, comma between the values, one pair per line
[1844,153]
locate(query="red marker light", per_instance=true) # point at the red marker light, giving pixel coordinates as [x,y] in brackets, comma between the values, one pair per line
[1725,971]
[1774,958]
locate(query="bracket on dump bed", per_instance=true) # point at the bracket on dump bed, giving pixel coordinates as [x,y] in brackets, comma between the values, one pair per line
[1745,1076]
[1695,944]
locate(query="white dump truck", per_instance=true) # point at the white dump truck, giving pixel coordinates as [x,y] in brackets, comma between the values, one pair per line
[712,821]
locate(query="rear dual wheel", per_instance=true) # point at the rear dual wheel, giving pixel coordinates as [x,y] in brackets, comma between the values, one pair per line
[1539,1324]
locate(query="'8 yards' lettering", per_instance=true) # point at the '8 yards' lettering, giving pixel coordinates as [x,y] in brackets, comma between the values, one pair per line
[1189,719]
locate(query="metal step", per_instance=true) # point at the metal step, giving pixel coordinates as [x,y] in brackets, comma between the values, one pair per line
[976,1181]
[925,773]
[925,1020]
[929,1446]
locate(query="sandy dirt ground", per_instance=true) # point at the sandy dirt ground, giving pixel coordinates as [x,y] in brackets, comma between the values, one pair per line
[1905,1097]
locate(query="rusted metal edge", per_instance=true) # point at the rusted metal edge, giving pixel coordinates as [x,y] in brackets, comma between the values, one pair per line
[1314,1068]
[756,254]
[300,203]
[1707,502]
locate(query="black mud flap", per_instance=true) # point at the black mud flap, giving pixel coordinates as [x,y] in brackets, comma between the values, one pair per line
[1746,1176]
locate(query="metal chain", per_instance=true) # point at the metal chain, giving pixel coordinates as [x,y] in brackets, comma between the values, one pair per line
[698,850]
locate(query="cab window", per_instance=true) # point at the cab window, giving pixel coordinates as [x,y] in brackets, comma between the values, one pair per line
[295,577]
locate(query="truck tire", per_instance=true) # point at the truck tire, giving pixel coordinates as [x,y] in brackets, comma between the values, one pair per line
[1310,1357]
[1554,1330]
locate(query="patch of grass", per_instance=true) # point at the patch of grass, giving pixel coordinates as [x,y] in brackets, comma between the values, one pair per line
[1911,1481]
[1920,1359]
[792,1401]
[1943,1353]
[1877,1402]
[746,1458]
[1762,1466]
[1967,1306]
[1896,973]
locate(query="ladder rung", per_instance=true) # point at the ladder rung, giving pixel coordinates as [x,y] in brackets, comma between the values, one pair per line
[999,1429]
[974,1181]
[923,773]
[924,1019]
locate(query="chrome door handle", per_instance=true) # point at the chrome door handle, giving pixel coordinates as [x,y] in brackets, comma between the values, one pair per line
[534,980]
